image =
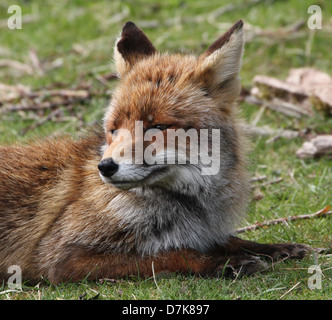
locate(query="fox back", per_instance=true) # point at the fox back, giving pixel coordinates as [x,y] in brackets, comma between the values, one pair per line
[104,194]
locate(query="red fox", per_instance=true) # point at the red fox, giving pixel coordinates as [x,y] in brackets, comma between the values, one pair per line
[75,209]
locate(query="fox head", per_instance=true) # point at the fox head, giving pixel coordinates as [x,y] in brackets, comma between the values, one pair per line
[172,116]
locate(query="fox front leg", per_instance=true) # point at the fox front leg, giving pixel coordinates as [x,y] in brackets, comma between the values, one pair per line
[82,264]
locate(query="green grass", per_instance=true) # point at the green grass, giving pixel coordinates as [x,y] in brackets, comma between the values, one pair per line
[63,26]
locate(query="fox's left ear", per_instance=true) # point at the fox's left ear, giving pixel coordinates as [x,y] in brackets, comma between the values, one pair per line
[132,46]
[221,62]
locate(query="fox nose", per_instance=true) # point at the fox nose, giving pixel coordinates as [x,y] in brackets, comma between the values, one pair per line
[108,167]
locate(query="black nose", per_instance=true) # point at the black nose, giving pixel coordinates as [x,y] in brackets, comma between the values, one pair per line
[108,167]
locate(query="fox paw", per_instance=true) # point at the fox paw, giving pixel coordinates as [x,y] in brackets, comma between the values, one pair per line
[286,251]
[240,266]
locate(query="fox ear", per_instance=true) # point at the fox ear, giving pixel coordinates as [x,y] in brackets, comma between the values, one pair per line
[132,46]
[221,62]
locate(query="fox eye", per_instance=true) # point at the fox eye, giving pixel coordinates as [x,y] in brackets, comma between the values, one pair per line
[161,126]
[112,131]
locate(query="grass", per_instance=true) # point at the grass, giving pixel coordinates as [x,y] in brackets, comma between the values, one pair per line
[80,34]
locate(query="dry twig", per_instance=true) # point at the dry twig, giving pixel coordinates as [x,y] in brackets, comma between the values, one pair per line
[285,107]
[16,65]
[267,131]
[288,291]
[321,213]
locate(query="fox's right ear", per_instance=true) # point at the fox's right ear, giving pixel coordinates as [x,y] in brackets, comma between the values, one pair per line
[132,46]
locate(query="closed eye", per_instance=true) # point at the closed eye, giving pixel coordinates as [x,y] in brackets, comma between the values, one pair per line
[160,126]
